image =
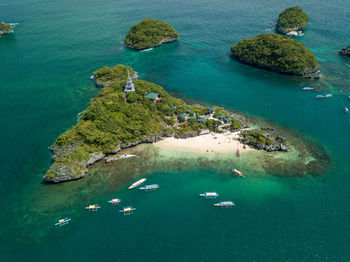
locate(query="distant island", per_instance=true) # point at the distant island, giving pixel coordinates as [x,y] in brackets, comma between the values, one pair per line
[150,33]
[130,112]
[344,51]
[5,28]
[291,19]
[276,53]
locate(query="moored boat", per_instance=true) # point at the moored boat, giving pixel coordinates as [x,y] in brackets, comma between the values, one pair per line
[225,204]
[320,96]
[114,201]
[63,221]
[150,187]
[209,195]
[346,110]
[307,88]
[137,183]
[127,210]
[93,207]
[328,95]
[236,172]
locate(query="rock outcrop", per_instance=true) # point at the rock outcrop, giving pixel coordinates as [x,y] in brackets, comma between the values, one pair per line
[5,28]
[344,51]
[264,139]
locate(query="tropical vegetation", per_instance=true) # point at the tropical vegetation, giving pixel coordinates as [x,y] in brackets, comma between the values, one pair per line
[276,52]
[115,119]
[149,33]
[291,19]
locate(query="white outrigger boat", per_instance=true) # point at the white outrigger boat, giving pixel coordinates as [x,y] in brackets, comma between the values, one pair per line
[307,88]
[209,195]
[93,207]
[320,96]
[137,183]
[236,172]
[328,95]
[114,201]
[150,187]
[225,204]
[127,210]
[346,110]
[63,221]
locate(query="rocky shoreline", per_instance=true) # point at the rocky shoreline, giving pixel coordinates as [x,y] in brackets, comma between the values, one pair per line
[163,41]
[264,138]
[344,51]
[291,29]
[5,29]
[309,72]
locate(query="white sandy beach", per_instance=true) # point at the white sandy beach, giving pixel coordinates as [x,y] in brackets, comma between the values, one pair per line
[209,143]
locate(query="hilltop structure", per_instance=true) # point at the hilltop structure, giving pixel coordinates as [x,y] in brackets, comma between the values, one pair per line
[129,87]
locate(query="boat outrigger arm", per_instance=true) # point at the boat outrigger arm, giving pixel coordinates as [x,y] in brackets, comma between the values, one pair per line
[127,210]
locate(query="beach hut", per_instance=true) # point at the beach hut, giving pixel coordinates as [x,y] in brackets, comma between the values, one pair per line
[182,117]
[202,119]
[193,117]
[227,120]
[221,116]
[153,96]
[173,108]
[212,110]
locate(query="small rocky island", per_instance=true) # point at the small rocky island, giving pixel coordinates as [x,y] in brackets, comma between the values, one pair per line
[150,33]
[128,112]
[264,138]
[344,51]
[5,28]
[291,19]
[276,53]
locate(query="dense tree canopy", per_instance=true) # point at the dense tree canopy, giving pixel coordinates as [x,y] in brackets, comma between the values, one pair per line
[290,19]
[276,52]
[148,33]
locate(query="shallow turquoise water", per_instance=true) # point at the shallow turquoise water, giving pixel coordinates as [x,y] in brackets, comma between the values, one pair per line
[44,83]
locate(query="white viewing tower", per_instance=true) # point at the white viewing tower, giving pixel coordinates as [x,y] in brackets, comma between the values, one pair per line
[129,87]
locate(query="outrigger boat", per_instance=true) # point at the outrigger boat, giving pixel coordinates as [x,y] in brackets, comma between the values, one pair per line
[114,201]
[236,172]
[137,183]
[127,210]
[225,204]
[307,88]
[63,221]
[328,95]
[93,207]
[150,187]
[209,195]
[320,96]
[346,110]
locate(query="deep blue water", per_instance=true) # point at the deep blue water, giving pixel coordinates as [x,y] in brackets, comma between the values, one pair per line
[44,83]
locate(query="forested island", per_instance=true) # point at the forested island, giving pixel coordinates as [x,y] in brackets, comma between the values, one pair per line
[150,33]
[276,53]
[129,112]
[5,28]
[344,51]
[291,19]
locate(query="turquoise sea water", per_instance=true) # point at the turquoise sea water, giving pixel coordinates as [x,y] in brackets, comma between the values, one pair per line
[44,83]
